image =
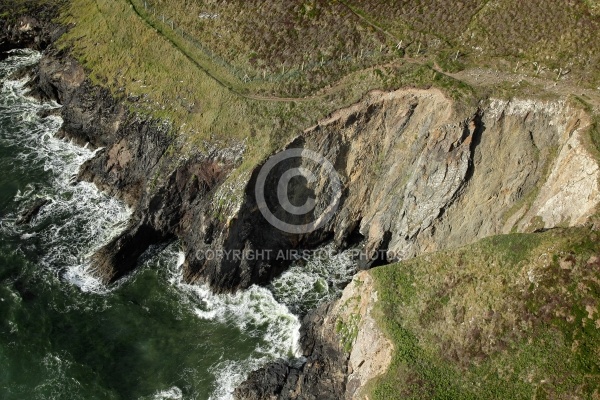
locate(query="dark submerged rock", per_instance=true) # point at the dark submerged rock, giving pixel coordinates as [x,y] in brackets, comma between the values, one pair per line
[319,375]
[32,211]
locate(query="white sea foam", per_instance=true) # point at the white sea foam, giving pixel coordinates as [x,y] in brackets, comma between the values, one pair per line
[308,283]
[173,393]
[254,311]
[78,218]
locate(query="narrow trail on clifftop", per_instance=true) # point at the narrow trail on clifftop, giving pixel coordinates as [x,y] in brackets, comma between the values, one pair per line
[475,77]
[322,93]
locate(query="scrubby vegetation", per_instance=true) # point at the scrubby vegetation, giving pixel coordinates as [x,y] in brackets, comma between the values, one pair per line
[9,10]
[159,73]
[216,69]
[154,76]
[550,38]
[297,46]
[510,317]
[301,46]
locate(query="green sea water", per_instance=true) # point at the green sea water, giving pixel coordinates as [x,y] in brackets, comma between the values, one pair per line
[63,335]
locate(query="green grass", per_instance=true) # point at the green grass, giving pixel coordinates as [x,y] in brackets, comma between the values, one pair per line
[513,316]
[160,75]
[347,331]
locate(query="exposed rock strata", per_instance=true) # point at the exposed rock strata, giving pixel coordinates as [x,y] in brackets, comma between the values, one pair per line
[417,174]
[518,165]
[420,176]
[342,347]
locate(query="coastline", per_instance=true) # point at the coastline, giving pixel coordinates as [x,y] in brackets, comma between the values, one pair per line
[174,192]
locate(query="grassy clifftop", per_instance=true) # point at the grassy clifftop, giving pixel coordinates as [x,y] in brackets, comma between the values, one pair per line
[223,71]
[125,46]
[510,317]
[301,46]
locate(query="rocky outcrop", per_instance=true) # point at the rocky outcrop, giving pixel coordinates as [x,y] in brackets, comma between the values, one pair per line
[91,114]
[371,350]
[32,28]
[416,182]
[163,214]
[32,211]
[343,349]
[319,374]
[417,173]
[135,161]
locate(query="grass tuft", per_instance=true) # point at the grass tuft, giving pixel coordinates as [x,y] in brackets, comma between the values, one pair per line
[513,316]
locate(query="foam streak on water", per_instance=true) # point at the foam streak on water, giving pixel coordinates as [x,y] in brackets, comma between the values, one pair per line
[63,225]
[263,312]
[254,311]
[307,283]
[78,219]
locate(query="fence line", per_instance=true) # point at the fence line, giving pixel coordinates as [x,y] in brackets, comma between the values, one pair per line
[247,76]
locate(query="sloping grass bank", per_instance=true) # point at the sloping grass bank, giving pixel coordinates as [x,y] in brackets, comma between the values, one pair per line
[510,317]
[161,77]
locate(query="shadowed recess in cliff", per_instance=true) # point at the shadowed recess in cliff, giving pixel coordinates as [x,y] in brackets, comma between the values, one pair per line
[64,334]
[417,172]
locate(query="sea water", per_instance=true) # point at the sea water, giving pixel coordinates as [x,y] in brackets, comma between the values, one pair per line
[64,335]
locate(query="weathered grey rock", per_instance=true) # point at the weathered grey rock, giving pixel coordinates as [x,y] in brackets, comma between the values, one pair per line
[321,375]
[417,175]
[32,211]
[416,182]
[343,349]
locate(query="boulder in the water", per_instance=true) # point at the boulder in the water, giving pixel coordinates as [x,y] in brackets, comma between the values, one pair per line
[30,212]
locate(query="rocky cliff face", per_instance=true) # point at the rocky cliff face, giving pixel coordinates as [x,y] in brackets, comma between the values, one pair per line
[343,349]
[419,176]
[417,173]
